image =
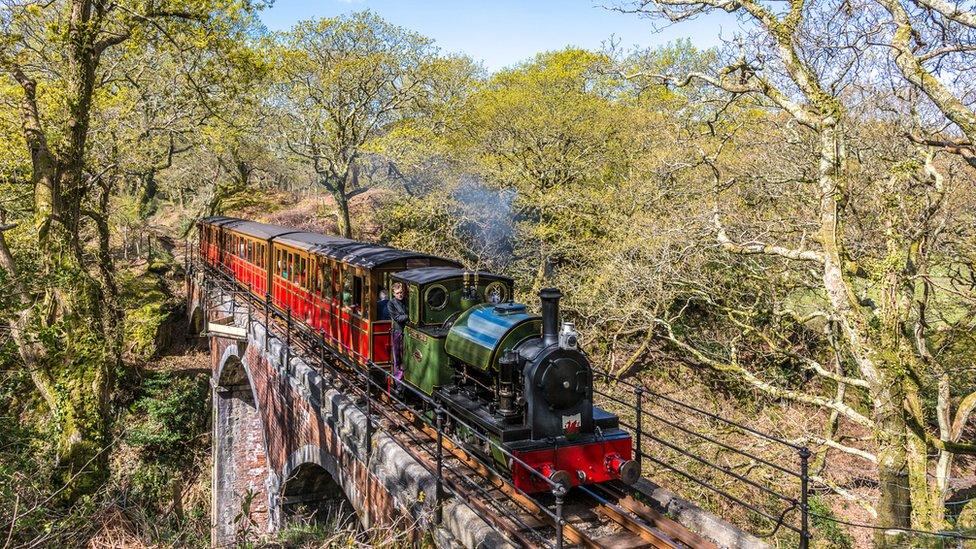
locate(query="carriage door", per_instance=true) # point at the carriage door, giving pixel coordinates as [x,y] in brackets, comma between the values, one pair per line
[335,299]
[359,315]
[379,351]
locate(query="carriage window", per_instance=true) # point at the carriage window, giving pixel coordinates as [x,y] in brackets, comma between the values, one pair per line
[313,279]
[326,280]
[302,278]
[336,281]
[346,289]
[357,293]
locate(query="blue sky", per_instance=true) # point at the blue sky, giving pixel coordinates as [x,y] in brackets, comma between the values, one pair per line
[503,32]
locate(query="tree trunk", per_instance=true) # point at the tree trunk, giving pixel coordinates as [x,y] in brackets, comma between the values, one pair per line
[886,392]
[147,196]
[345,225]
[895,504]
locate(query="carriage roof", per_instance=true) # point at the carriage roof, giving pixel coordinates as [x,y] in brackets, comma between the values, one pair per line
[426,275]
[353,252]
[263,231]
[217,220]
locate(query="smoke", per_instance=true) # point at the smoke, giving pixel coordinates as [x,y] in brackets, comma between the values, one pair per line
[488,221]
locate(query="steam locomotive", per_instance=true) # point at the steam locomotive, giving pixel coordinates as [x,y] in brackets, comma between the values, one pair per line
[516,378]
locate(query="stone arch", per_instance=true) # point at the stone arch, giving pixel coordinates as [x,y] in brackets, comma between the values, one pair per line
[196,321]
[312,487]
[240,472]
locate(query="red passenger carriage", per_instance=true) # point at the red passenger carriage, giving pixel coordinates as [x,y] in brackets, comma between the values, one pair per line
[330,284]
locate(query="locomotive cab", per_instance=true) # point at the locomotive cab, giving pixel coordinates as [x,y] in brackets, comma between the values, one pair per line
[436,298]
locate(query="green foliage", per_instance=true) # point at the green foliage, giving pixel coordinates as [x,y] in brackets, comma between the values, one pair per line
[827,533]
[148,309]
[169,415]
[159,479]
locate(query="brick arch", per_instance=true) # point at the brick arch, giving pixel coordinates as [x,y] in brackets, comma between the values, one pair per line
[240,450]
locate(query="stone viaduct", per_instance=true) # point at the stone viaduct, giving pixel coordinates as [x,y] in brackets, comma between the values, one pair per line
[284,435]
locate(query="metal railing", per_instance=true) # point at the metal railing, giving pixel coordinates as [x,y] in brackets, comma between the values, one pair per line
[645,406]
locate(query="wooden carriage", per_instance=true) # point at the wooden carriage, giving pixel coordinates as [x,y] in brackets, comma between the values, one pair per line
[330,284]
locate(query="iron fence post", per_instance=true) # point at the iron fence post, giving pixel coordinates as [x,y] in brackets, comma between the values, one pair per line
[322,359]
[559,491]
[369,420]
[206,299]
[804,508]
[369,446]
[288,343]
[639,398]
[439,488]
[267,320]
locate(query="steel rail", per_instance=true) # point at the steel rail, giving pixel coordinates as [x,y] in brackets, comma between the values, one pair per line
[624,497]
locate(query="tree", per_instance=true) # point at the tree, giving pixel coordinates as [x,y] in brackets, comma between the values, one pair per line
[850,216]
[62,57]
[343,84]
[547,130]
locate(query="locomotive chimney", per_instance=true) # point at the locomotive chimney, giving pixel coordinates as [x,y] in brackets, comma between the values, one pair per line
[550,315]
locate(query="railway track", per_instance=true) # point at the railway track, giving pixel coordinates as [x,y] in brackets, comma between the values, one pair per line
[596,516]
